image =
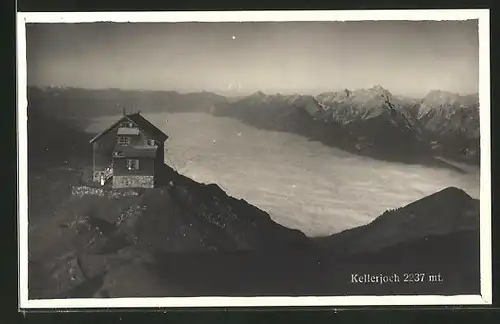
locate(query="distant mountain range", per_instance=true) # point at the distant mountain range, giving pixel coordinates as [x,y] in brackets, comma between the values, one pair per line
[447,122]
[89,103]
[451,122]
[370,122]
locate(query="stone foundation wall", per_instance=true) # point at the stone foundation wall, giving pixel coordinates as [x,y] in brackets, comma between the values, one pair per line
[133,181]
[81,191]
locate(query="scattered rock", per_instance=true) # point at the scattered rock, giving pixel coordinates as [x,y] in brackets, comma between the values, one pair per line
[85,289]
[66,274]
[129,217]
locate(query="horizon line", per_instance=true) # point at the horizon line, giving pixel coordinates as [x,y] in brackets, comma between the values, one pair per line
[225,93]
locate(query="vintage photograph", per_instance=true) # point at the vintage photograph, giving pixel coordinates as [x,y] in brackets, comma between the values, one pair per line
[246,159]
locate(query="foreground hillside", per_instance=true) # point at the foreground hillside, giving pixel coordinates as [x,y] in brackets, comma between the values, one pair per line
[191,239]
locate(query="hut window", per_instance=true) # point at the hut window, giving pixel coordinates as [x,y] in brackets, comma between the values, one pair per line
[151,142]
[119,154]
[133,164]
[123,140]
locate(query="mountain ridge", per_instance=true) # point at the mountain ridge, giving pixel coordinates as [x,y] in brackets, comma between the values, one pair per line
[374,117]
[371,121]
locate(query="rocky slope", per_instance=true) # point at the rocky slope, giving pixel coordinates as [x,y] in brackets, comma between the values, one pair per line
[365,122]
[451,124]
[373,106]
[187,238]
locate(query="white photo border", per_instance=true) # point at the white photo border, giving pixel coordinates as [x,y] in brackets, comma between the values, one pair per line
[482,15]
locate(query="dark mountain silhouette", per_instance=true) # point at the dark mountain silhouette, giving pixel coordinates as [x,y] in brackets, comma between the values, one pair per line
[52,142]
[87,103]
[452,211]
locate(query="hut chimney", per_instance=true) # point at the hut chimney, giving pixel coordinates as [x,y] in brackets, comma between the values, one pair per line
[124,112]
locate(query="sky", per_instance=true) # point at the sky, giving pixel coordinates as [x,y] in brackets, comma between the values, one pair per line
[406,57]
